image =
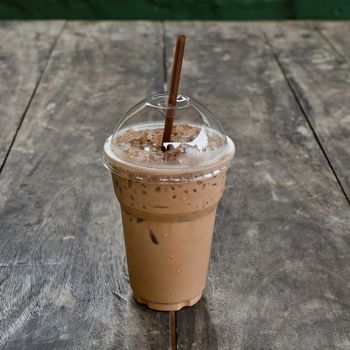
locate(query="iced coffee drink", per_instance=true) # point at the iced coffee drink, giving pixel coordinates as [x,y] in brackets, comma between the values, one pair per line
[168,198]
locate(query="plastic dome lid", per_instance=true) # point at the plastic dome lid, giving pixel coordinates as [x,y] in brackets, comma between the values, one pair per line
[197,143]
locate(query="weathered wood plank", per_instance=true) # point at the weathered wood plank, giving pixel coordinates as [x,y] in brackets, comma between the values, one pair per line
[337,34]
[63,267]
[320,79]
[25,48]
[280,268]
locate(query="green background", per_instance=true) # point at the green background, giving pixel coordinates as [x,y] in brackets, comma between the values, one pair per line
[181,9]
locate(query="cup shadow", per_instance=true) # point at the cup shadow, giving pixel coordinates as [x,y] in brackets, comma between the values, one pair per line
[195,328]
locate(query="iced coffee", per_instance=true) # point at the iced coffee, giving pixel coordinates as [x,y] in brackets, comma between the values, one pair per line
[168,199]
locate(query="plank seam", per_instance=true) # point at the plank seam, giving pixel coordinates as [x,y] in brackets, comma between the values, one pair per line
[291,88]
[165,82]
[32,96]
[330,44]
[172,314]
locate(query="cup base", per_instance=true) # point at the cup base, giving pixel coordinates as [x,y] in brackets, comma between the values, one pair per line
[168,307]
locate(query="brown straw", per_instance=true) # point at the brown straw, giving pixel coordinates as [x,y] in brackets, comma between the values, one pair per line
[173,329]
[174,88]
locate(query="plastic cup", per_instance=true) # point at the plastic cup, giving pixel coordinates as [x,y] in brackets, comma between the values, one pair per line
[168,206]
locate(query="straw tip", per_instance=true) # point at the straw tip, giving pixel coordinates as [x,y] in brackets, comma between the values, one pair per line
[181,37]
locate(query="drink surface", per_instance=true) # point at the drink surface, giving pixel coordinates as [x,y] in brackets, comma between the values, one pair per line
[189,146]
[200,151]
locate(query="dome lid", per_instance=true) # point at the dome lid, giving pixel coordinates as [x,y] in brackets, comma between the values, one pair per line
[197,138]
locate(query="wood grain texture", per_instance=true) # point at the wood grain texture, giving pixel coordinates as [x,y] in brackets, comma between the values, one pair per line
[280,268]
[320,78]
[25,48]
[64,282]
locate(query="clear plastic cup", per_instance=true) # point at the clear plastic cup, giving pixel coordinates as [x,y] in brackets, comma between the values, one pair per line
[168,199]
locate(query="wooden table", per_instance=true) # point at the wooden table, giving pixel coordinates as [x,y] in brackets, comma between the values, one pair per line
[279,276]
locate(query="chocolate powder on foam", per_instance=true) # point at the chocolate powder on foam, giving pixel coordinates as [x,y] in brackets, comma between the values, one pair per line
[146,144]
